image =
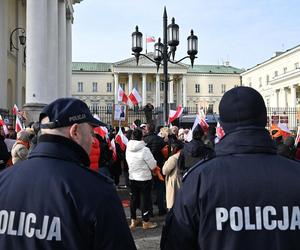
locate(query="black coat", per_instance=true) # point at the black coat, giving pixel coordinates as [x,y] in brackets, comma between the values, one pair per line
[54,201]
[247,197]
[193,152]
[4,154]
[155,144]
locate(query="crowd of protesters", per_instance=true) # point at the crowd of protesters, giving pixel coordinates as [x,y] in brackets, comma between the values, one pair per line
[153,160]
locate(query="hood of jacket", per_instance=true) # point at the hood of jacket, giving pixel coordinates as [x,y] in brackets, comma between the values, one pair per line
[134,145]
[246,140]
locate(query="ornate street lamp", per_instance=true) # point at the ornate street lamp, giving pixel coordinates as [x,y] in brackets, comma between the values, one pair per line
[164,51]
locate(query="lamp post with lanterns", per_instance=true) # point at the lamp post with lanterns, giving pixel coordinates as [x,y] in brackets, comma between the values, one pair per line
[164,52]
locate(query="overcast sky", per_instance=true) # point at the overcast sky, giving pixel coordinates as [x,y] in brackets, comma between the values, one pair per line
[244,32]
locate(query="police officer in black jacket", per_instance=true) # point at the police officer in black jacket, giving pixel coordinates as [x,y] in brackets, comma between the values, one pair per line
[52,200]
[247,197]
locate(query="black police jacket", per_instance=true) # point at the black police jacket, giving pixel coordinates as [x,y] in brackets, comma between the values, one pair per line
[53,201]
[247,197]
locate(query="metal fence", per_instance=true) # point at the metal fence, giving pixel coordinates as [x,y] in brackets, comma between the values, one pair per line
[290,116]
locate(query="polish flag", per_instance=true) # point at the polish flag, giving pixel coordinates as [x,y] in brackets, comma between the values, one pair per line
[150,39]
[15,110]
[285,132]
[219,131]
[198,120]
[113,149]
[122,97]
[121,139]
[19,125]
[2,123]
[135,97]
[102,131]
[173,115]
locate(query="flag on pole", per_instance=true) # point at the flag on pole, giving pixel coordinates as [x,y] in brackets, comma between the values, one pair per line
[15,109]
[19,125]
[121,139]
[135,97]
[150,39]
[113,149]
[219,131]
[2,123]
[122,97]
[285,132]
[198,121]
[174,114]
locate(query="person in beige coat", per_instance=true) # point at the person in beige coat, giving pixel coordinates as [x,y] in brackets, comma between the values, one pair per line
[20,149]
[171,171]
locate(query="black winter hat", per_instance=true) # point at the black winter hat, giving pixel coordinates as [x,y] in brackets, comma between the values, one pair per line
[242,107]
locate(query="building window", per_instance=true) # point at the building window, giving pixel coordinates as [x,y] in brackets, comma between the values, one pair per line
[223,88]
[148,86]
[95,87]
[236,85]
[284,70]
[210,108]
[135,85]
[162,86]
[250,84]
[197,88]
[260,82]
[296,65]
[80,87]
[267,79]
[108,87]
[210,88]
[109,108]
[276,73]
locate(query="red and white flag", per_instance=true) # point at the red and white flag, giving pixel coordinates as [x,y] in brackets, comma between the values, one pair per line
[15,109]
[198,120]
[174,114]
[150,39]
[284,130]
[219,131]
[112,147]
[121,139]
[19,125]
[122,97]
[135,97]
[2,123]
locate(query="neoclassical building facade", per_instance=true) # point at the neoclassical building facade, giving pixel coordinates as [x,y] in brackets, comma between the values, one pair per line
[39,71]
[277,79]
[202,85]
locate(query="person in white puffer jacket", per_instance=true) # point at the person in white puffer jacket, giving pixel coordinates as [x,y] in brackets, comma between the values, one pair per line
[140,163]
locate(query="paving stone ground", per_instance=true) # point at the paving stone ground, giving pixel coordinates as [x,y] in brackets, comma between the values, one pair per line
[144,239]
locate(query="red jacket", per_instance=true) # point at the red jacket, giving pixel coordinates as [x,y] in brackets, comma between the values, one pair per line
[95,155]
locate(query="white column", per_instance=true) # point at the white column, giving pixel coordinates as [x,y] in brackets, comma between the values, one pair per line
[69,56]
[19,56]
[179,92]
[116,77]
[282,98]
[184,91]
[3,54]
[53,48]
[36,69]
[144,92]
[129,83]
[62,49]
[171,89]
[157,90]
[293,96]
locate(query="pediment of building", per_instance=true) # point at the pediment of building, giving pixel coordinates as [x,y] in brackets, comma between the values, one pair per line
[145,63]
